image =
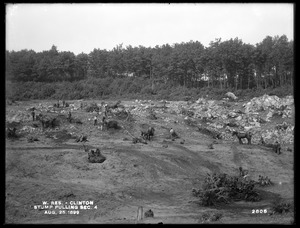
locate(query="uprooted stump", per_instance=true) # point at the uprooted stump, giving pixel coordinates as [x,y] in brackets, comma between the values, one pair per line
[207,217]
[81,138]
[48,121]
[152,115]
[95,156]
[139,140]
[114,106]
[112,124]
[92,107]
[11,132]
[149,213]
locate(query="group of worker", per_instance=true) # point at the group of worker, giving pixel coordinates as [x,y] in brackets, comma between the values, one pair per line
[103,121]
[105,112]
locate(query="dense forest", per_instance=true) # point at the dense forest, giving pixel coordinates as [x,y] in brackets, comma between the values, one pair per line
[180,69]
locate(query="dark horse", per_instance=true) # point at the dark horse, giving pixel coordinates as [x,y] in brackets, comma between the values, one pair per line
[148,134]
[240,136]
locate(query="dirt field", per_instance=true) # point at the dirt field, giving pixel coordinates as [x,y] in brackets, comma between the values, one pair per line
[159,175]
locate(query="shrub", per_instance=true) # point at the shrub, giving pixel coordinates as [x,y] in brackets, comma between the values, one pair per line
[92,107]
[281,207]
[164,94]
[146,90]
[210,217]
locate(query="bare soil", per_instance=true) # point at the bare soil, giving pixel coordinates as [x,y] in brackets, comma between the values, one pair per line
[159,175]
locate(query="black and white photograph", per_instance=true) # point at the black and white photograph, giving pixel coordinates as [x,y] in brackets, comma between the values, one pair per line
[149,113]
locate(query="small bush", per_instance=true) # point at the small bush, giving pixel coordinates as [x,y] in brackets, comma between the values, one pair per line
[281,207]
[146,90]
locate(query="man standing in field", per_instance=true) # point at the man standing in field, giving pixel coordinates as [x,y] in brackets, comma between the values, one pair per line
[105,110]
[69,116]
[173,134]
[33,115]
[103,123]
[95,120]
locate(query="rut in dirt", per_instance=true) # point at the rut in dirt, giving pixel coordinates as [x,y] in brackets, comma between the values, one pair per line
[79,147]
[199,160]
[236,156]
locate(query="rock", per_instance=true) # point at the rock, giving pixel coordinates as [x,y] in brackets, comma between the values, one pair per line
[232,124]
[231,95]
[238,118]
[201,101]
[232,115]
[247,128]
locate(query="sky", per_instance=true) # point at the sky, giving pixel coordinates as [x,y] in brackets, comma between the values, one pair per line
[83,27]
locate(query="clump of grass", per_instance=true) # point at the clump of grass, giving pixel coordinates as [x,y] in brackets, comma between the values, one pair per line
[210,217]
[281,207]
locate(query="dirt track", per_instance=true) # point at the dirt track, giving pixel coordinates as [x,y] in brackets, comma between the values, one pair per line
[155,176]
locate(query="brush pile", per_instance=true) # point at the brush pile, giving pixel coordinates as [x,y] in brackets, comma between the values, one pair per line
[222,188]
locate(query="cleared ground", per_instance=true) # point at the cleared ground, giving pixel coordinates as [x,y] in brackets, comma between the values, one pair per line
[158,176]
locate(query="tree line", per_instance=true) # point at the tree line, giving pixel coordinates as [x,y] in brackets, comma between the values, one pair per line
[229,64]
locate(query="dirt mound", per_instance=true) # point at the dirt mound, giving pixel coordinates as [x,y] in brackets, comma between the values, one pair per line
[13,124]
[60,136]
[210,132]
